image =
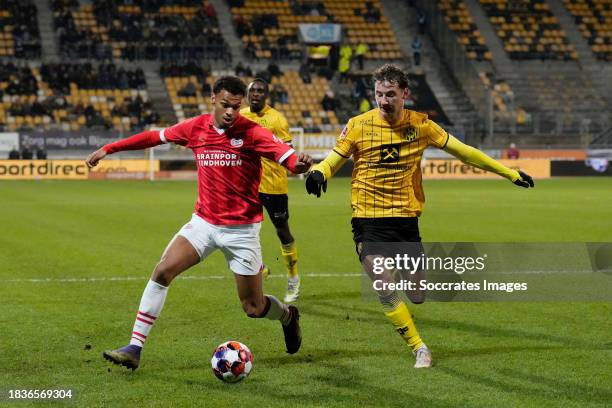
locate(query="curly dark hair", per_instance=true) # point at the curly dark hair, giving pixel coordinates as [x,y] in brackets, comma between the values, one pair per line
[391,73]
[231,84]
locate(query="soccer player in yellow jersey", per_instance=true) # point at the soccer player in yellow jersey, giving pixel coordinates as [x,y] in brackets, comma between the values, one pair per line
[273,188]
[387,145]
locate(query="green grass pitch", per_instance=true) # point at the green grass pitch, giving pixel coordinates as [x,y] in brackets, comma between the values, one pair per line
[52,332]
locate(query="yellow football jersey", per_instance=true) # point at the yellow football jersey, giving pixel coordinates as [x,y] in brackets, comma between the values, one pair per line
[387,169]
[274,176]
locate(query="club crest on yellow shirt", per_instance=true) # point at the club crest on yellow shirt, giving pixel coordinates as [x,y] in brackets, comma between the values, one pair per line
[409,134]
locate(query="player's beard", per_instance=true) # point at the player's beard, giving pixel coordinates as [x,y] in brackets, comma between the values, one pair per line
[257,106]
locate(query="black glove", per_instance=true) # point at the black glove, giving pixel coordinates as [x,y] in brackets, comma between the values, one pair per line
[314,182]
[524,181]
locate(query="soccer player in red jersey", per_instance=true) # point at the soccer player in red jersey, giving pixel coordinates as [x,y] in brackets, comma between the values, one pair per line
[228,214]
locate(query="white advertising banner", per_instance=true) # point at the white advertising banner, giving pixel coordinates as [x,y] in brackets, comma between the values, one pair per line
[8,141]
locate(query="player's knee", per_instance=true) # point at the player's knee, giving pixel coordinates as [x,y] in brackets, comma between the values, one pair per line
[283,233]
[280,223]
[285,237]
[163,273]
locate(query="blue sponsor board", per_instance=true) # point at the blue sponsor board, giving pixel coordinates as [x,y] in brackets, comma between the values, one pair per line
[320,33]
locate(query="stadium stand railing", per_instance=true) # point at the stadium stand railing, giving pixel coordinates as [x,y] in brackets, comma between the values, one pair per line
[460,66]
[602,141]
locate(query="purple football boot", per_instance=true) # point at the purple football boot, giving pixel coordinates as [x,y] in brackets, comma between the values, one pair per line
[128,356]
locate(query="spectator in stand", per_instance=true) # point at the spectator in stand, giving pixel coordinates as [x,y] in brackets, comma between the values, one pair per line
[346,52]
[250,50]
[329,101]
[305,72]
[513,152]
[41,154]
[422,22]
[344,67]
[241,70]
[278,93]
[14,154]
[364,105]
[274,70]
[242,26]
[188,90]
[283,95]
[417,47]
[359,88]
[206,89]
[372,14]
[522,116]
[360,51]
[209,10]
[26,153]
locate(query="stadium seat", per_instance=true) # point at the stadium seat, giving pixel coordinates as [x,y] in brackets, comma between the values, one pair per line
[594,21]
[119,29]
[44,100]
[460,21]
[529,30]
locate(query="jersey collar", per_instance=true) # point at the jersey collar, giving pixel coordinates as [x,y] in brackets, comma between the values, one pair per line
[263,110]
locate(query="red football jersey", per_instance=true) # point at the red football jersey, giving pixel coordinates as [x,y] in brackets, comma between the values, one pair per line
[229,166]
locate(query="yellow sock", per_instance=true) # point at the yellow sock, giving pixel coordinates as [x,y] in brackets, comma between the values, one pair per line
[403,324]
[290,255]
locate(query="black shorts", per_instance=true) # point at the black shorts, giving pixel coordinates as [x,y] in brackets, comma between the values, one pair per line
[277,206]
[370,234]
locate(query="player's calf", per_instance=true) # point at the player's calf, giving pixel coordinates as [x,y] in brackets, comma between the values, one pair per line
[255,308]
[289,317]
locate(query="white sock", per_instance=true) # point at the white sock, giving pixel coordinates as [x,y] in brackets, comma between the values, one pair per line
[278,311]
[151,305]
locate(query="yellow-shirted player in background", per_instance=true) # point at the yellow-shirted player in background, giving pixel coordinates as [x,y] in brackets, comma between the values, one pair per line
[273,188]
[387,145]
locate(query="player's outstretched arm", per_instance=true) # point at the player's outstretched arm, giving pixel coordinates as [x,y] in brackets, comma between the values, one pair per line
[317,179]
[93,159]
[139,141]
[299,163]
[476,158]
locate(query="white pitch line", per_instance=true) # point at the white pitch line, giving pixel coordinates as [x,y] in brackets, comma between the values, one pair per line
[143,278]
[216,277]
